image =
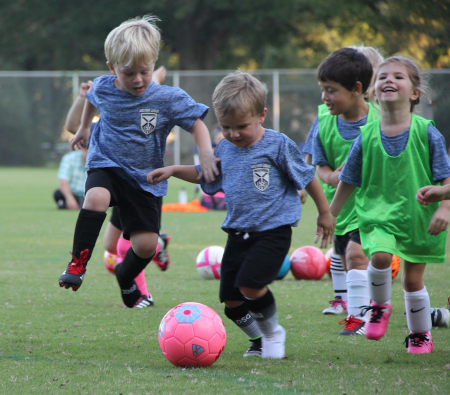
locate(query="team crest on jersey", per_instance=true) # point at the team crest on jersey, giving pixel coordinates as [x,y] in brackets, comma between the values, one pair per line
[261,177]
[148,120]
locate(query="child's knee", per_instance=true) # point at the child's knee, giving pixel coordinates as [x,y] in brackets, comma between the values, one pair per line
[355,258]
[144,244]
[412,283]
[381,260]
[251,293]
[97,199]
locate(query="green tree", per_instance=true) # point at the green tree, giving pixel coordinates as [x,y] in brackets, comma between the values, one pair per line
[209,34]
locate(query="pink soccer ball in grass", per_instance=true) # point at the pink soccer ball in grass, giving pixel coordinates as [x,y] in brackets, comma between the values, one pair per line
[110,261]
[209,262]
[308,263]
[192,334]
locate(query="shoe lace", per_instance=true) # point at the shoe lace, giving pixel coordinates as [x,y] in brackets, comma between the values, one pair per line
[350,322]
[376,315]
[416,339]
[336,302]
[76,266]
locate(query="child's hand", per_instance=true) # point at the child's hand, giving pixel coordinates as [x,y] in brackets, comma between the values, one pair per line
[158,175]
[210,170]
[81,138]
[432,194]
[302,195]
[84,88]
[439,221]
[325,229]
[333,179]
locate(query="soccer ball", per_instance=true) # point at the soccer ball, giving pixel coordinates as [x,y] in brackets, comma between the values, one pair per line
[192,334]
[328,260]
[395,265]
[285,267]
[110,261]
[308,263]
[209,262]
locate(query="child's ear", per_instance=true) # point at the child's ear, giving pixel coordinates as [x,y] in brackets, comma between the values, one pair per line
[262,117]
[357,89]
[415,95]
[111,67]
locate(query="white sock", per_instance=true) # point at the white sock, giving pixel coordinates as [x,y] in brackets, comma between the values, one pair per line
[338,277]
[418,312]
[380,284]
[357,293]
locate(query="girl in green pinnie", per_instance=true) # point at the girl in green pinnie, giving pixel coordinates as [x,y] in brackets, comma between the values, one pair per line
[389,162]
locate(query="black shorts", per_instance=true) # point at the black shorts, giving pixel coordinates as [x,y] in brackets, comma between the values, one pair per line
[138,208]
[252,261]
[341,242]
[115,215]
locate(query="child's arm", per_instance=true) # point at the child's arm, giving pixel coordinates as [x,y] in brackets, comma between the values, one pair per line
[186,173]
[208,161]
[81,137]
[73,119]
[439,221]
[84,131]
[325,221]
[302,192]
[328,176]
[343,193]
[433,194]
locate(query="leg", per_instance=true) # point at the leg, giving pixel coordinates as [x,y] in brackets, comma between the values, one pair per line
[262,307]
[111,238]
[161,257]
[60,199]
[265,254]
[417,305]
[135,261]
[236,308]
[113,232]
[380,285]
[237,311]
[339,279]
[357,288]
[89,224]
[122,248]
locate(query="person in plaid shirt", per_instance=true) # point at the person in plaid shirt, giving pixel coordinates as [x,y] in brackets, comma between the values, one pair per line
[71,177]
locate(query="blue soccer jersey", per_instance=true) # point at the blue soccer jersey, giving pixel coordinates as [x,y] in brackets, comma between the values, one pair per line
[133,130]
[261,182]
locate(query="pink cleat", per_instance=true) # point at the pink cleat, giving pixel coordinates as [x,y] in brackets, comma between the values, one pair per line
[419,343]
[376,324]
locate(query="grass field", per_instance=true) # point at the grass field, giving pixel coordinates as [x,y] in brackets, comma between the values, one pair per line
[55,341]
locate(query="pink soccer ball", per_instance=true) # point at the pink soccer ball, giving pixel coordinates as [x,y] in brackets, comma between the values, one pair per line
[308,263]
[209,262]
[192,334]
[110,261]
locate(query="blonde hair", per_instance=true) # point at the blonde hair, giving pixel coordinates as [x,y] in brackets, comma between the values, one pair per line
[134,43]
[375,59]
[417,78]
[239,93]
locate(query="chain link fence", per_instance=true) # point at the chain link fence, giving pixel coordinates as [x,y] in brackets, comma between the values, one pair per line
[33,107]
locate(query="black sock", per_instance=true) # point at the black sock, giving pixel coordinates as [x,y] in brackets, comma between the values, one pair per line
[243,319]
[126,272]
[263,307]
[87,229]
